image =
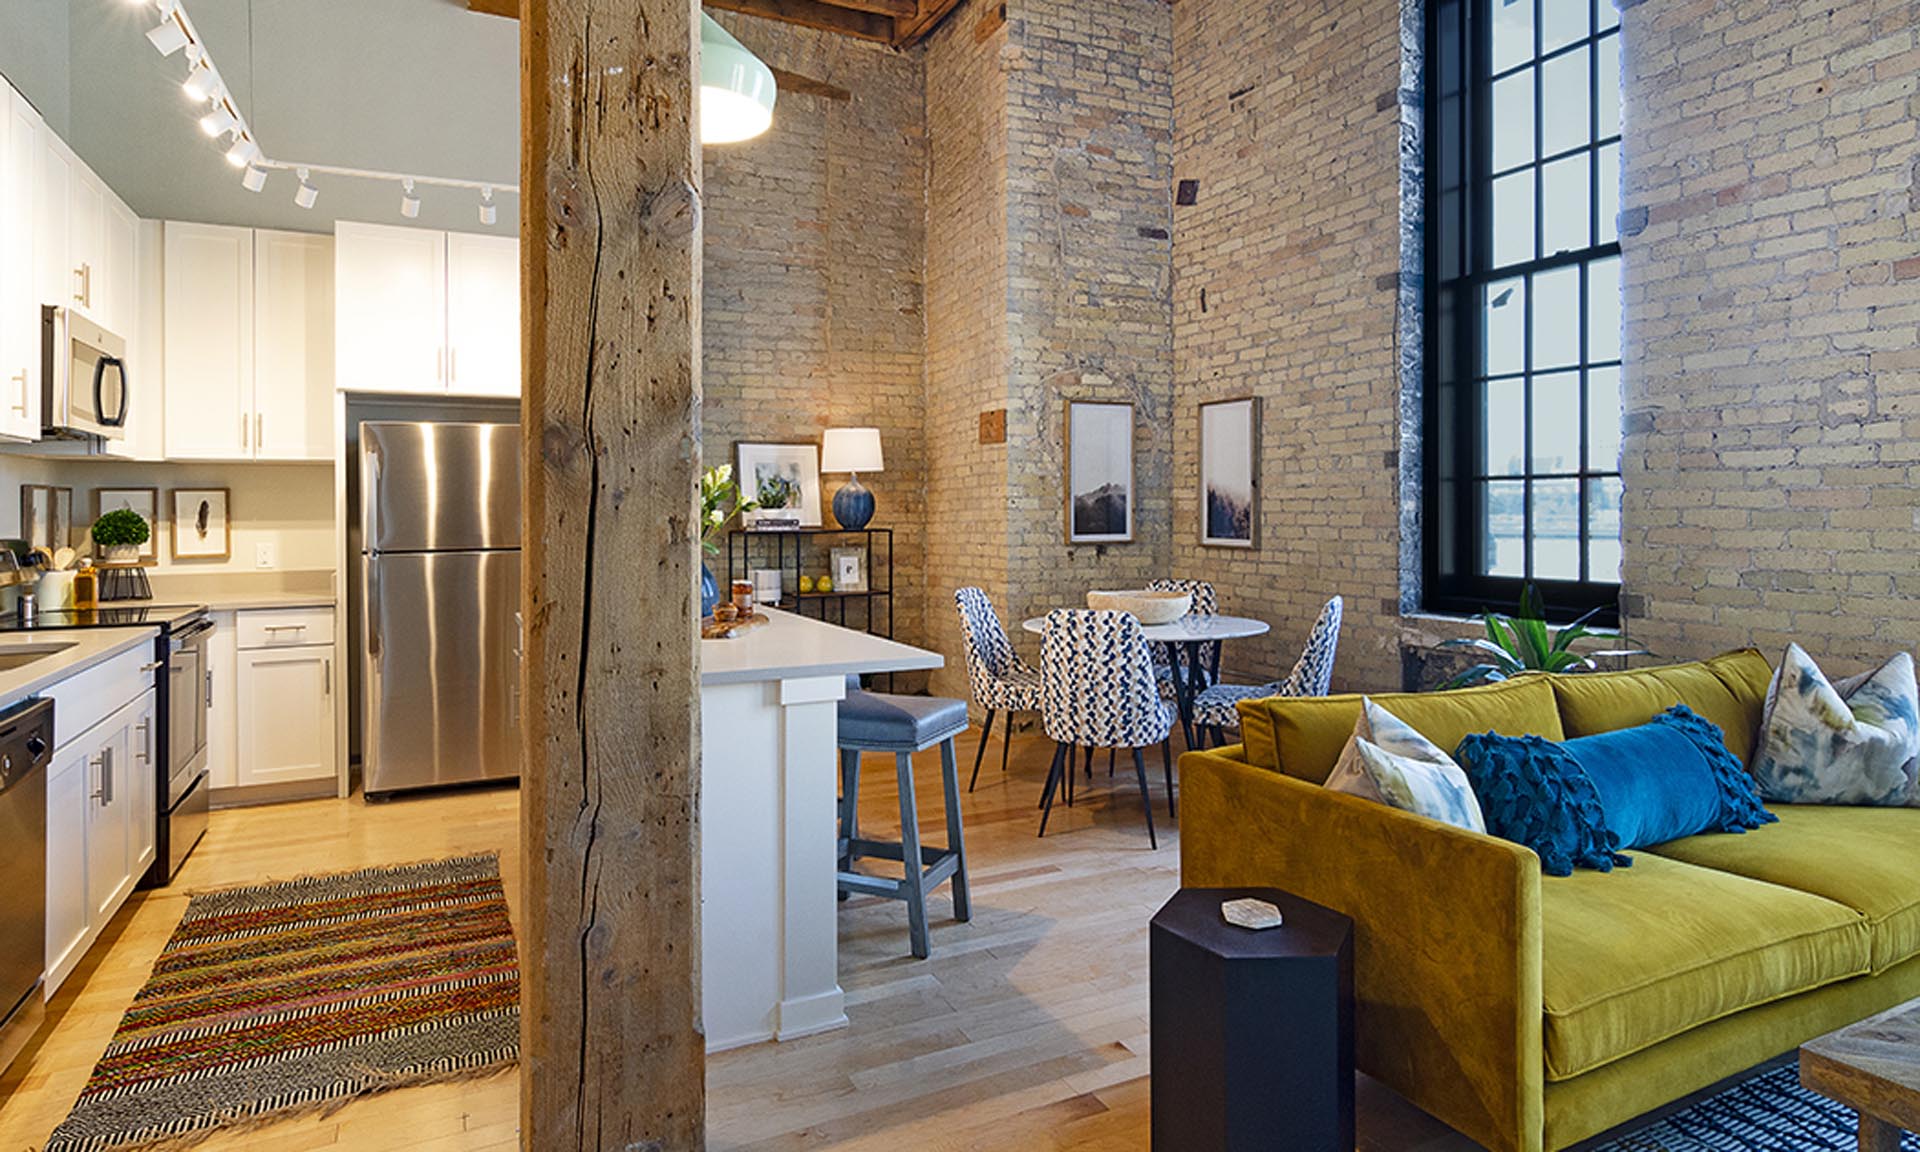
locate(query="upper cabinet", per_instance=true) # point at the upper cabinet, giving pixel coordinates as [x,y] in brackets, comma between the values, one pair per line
[19,270]
[249,344]
[425,311]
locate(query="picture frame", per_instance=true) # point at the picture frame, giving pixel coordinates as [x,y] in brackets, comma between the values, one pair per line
[145,501]
[848,567]
[46,516]
[1229,507]
[755,462]
[1099,472]
[202,524]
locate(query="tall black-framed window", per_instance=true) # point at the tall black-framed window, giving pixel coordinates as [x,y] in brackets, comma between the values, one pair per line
[1522,377]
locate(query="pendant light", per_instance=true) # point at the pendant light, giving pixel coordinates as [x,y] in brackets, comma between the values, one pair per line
[736,88]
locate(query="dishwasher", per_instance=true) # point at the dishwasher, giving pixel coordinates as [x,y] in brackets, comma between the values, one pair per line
[26,742]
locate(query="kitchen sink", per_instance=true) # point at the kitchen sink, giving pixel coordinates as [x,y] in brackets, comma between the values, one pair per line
[17,656]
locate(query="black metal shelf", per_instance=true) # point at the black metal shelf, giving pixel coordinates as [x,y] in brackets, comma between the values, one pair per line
[789,551]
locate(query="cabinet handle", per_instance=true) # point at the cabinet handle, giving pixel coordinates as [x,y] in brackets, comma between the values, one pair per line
[453,365]
[155,665]
[284,628]
[100,762]
[80,285]
[145,755]
[329,675]
[20,378]
[246,428]
[106,775]
[259,431]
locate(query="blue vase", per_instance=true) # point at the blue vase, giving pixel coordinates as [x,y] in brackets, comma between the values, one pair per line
[853,505]
[709,590]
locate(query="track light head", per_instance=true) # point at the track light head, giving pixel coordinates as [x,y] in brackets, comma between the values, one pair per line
[219,122]
[488,213]
[243,152]
[168,36]
[306,194]
[201,84]
[409,203]
[254,179]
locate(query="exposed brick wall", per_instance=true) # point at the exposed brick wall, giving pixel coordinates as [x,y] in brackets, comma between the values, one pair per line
[815,256]
[1772,255]
[1285,288]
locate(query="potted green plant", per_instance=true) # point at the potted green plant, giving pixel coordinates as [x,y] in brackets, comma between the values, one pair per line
[119,535]
[1519,644]
[720,501]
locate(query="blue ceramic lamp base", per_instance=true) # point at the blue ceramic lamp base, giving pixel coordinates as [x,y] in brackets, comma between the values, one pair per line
[853,505]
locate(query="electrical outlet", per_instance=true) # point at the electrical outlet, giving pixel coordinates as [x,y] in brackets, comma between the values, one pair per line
[263,555]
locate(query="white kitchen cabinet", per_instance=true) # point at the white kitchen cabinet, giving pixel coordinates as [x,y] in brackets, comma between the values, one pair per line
[52,213]
[68,916]
[286,714]
[143,784]
[483,314]
[117,285]
[144,436]
[19,279]
[87,241]
[109,834]
[390,310]
[292,346]
[223,736]
[209,341]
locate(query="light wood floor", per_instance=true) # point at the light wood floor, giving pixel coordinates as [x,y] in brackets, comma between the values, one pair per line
[1026,1030]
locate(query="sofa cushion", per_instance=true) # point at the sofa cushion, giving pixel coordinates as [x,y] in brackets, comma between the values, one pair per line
[1865,858]
[1637,955]
[1725,691]
[1303,736]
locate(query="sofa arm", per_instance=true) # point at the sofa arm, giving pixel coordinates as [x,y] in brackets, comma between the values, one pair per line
[1446,933]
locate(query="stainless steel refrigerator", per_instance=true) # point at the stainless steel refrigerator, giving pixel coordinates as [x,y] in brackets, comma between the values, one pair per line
[440,573]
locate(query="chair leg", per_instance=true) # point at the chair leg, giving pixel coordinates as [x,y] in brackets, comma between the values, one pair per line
[1111,753]
[1006,742]
[1166,764]
[1053,782]
[1146,802]
[984,734]
[849,799]
[916,876]
[956,844]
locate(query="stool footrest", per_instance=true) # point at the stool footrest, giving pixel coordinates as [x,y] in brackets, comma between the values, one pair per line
[935,874]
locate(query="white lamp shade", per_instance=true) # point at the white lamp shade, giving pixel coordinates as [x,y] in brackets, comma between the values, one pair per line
[736,88]
[851,450]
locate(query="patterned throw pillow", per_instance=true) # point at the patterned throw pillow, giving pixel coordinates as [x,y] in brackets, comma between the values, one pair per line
[1853,741]
[1535,794]
[1389,763]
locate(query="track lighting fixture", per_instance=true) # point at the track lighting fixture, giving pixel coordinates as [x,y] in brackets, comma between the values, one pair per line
[243,152]
[219,122]
[409,203]
[488,213]
[201,84]
[307,193]
[168,36]
[254,179]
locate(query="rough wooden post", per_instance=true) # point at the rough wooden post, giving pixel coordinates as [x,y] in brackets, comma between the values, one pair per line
[614,1056]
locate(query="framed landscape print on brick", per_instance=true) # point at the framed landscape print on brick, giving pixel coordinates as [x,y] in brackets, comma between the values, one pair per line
[1099,442]
[1230,473]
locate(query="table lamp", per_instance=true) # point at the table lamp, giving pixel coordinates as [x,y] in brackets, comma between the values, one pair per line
[852,450]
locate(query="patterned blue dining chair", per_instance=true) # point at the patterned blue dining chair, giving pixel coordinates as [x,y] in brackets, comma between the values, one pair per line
[1215,709]
[1207,663]
[1000,680]
[1099,693]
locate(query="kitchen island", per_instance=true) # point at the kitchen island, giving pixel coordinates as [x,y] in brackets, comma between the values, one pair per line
[769,777]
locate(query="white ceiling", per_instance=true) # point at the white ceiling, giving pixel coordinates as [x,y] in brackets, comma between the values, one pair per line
[416,86]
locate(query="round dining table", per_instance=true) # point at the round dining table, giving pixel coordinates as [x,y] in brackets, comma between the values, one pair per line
[1187,639]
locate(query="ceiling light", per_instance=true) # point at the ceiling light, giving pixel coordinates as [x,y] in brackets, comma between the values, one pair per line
[243,152]
[169,37]
[736,88]
[488,213]
[307,193]
[220,121]
[255,179]
[409,203]
[201,84]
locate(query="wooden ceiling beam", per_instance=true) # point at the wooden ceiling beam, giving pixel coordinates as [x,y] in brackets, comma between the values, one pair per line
[817,15]
[894,8]
[912,29]
[507,8]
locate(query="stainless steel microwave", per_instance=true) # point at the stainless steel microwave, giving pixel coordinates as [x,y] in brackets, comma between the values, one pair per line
[83,377]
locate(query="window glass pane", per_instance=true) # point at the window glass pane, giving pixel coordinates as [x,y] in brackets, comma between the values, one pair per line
[1513,219]
[1504,552]
[1512,33]
[1603,529]
[1556,529]
[1504,429]
[1556,423]
[1603,310]
[1562,22]
[1608,224]
[1503,320]
[1608,67]
[1565,190]
[1565,101]
[1607,16]
[1603,420]
[1513,120]
[1556,318]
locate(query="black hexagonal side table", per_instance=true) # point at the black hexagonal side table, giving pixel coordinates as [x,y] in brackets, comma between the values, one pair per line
[1252,1030]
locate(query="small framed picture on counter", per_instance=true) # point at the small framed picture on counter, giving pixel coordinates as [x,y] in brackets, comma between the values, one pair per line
[201,528]
[849,569]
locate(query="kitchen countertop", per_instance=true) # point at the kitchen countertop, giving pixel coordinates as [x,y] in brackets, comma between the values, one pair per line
[790,646]
[249,601]
[83,648]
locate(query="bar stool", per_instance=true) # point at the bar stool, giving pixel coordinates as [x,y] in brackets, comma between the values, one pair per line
[902,725]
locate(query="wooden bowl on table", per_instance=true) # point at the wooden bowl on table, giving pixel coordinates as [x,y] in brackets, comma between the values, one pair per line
[1148,607]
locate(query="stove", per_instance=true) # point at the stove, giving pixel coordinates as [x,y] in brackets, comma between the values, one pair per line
[124,614]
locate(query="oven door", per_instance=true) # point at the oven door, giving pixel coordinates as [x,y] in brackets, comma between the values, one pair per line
[188,694]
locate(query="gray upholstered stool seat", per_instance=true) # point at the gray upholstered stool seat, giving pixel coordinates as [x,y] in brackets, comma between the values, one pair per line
[902,725]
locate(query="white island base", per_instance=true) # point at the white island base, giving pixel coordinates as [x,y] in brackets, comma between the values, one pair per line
[769,774]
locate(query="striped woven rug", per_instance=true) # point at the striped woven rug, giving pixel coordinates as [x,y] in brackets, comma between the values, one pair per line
[1769,1113]
[285,998]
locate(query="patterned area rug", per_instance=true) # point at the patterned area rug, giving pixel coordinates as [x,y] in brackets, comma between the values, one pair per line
[286,998]
[1769,1113]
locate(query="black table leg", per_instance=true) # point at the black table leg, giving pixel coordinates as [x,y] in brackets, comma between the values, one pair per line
[1181,653]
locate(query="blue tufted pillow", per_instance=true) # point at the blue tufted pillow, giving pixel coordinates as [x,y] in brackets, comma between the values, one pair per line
[1533,793]
[1668,778]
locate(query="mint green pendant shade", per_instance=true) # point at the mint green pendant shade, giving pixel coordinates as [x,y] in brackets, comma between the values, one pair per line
[736,87]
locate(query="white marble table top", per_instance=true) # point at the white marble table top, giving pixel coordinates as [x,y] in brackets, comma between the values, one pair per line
[1186,630]
[790,647]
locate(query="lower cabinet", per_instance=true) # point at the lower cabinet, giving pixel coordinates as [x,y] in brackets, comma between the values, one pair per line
[286,714]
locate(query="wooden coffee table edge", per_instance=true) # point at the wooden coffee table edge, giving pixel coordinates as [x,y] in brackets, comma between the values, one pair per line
[1857,1065]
